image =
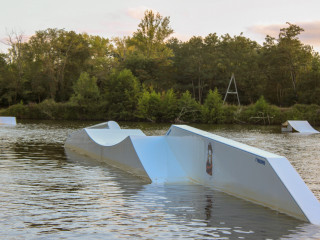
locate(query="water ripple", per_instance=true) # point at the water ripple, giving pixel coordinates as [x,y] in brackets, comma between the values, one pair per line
[46,194]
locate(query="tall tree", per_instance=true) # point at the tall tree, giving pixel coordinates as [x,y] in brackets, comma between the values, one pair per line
[197,65]
[102,59]
[121,93]
[294,55]
[61,56]
[16,67]
[284,61]
[6,94]
[150,56]
[151,34]
[86,90]
[239,55]
[191,63]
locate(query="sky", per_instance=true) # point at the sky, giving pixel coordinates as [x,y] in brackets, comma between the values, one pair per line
[118,18]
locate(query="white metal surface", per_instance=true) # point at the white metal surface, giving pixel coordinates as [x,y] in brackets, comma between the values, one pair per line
[8,121]
[187,154]
[244,171]
[299,126]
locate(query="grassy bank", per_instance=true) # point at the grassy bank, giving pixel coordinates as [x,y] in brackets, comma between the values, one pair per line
[157,108]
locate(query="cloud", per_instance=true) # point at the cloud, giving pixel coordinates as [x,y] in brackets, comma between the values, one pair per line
[110,29]
[181,36]
[124,24]
[311,34]
[264,30]
[138,12]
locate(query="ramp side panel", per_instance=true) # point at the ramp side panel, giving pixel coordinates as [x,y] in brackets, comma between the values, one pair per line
[298,189]
[80,142]
[121,155]
[302,126]
[124,156]
[242,171]
[158,160]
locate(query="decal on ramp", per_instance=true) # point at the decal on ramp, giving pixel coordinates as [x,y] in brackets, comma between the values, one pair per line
[299,126]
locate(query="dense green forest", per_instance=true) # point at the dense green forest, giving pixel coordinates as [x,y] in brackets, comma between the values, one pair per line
[152,76]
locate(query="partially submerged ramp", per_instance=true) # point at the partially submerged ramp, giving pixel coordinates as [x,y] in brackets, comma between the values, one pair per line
[8,121]
[186,154]
[299,126]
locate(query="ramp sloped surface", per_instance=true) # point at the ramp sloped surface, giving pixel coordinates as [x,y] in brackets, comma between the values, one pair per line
[302,126]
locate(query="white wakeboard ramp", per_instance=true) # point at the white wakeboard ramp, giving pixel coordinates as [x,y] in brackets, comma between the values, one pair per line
[299,126]
[8,121]
[187,154]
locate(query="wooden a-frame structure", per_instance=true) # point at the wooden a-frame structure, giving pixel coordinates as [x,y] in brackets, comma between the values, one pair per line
[235,91]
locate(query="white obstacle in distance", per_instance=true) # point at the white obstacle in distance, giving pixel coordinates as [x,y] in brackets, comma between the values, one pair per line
[299,126]
[8,121]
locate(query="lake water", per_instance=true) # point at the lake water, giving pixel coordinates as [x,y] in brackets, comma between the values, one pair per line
[47,194]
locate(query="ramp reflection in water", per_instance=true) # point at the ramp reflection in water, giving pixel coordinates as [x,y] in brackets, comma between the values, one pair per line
[192,209]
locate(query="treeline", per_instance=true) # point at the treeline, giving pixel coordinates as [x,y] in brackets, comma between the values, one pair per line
[149,105]
[151,76]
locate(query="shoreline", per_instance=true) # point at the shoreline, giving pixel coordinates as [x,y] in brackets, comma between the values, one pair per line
[228,114]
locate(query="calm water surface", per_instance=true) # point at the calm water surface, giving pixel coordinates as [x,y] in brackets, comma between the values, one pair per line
[46,193]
